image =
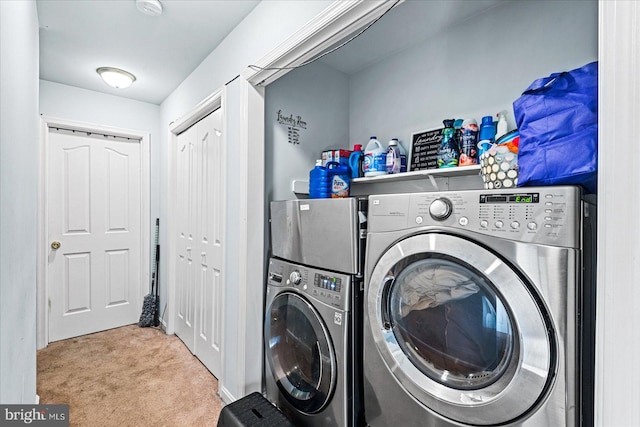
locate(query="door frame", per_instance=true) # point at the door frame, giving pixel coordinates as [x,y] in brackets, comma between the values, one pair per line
[337,21]
[618,245]
[42,294]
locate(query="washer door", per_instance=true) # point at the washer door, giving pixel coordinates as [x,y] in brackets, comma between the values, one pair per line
[460,329]
[300,353]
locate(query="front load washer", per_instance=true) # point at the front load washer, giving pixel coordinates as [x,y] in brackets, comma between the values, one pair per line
[479,308]
[313,311]
[307,343]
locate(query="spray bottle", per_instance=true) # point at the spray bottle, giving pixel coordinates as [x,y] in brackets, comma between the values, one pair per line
[501,128]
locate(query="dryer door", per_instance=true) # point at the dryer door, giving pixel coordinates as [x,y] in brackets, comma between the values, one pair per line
[300,353]
[460,329]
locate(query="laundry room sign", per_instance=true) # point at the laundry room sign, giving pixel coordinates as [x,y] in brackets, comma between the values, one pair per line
[424,149]
[294,124]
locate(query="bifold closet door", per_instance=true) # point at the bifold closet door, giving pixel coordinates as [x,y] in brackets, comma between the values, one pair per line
[186,204]
[201,207]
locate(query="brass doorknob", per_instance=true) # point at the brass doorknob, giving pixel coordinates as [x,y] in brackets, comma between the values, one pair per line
[55,245]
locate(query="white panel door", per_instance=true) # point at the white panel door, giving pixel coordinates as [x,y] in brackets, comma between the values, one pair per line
[186,211]
[200,228]
[94,207]
[211,208]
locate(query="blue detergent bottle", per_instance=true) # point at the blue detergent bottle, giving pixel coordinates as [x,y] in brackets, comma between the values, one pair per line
[339,180]
[355,161]
[487,135]
[319,182]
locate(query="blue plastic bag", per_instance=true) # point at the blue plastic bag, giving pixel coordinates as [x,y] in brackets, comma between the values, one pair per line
[557,117]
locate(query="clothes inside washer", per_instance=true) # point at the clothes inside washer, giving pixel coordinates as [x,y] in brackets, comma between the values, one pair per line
[432,282]
[452,335]
[451,324]
[430,285]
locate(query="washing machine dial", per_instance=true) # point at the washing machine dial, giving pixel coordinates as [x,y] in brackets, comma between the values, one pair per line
[295,277]
[440,209]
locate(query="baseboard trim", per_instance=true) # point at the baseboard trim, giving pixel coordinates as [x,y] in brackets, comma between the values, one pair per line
[225,395]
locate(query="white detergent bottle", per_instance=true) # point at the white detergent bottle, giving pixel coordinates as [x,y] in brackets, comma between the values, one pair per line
[375,158]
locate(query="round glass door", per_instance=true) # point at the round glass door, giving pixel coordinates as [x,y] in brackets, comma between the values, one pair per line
[460,329]
[299,352]
[449,321]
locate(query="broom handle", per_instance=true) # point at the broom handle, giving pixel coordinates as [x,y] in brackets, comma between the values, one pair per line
[157,275]
[156,255]
[156,314]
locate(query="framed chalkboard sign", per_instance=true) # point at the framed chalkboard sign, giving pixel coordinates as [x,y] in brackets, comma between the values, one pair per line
[424,149]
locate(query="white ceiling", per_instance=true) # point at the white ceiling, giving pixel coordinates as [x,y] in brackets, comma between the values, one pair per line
[78,36]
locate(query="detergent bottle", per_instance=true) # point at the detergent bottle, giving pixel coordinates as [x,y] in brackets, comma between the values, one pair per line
[487,135]
[375,158]
[339,180]
[355,161]
[394,162]
[403,157]
[319,182]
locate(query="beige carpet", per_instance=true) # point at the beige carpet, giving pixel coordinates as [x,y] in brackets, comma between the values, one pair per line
[128,376]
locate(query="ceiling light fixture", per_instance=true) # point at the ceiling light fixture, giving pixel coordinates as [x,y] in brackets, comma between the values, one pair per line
[149,7]
[116,77]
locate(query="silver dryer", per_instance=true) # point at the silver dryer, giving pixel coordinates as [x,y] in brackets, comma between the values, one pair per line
[478,308]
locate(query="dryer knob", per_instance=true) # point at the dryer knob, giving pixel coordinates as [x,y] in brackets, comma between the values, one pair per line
[440,209]
[295,277]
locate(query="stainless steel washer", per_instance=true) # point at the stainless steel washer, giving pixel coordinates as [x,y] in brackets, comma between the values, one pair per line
[306,343]
[477,308]
[313,314]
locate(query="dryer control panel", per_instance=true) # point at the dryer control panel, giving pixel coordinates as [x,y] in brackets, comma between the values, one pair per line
[325,286]
[545,215]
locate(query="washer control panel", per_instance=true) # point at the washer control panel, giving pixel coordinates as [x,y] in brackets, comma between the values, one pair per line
[325,286]
[546,215]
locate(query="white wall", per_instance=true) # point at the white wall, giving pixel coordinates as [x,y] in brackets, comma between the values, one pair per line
[263,30]
[72,103]
[19,144]
[323,105]
[476,68]
[81,105]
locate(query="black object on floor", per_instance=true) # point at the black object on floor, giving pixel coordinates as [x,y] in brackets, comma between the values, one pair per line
[252,410]
[151,303]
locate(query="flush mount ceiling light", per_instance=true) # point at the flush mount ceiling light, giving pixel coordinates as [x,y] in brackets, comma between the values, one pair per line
[116,77]
[149,7]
